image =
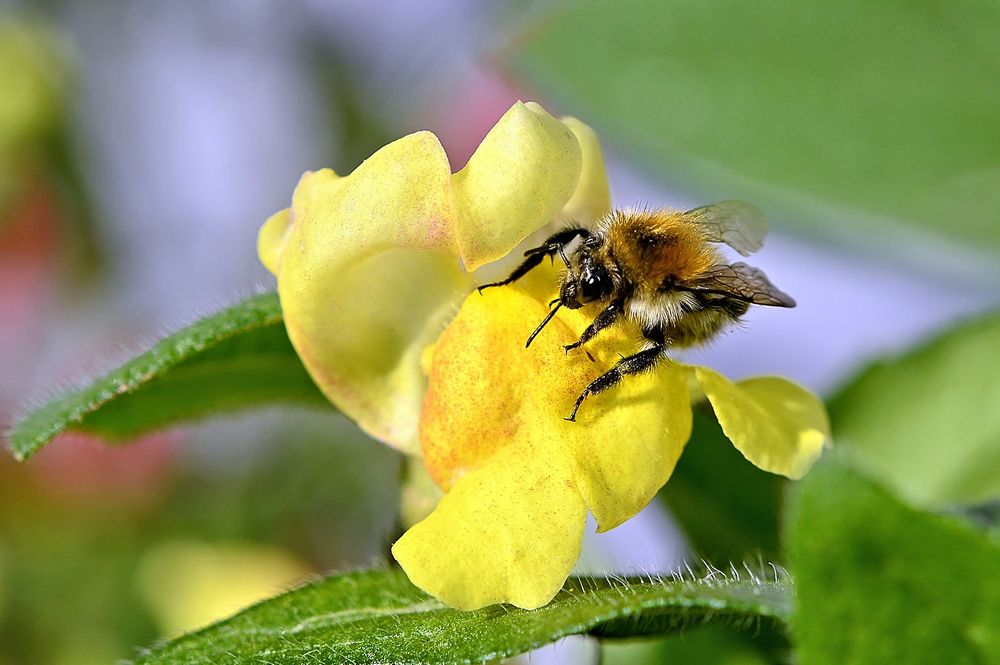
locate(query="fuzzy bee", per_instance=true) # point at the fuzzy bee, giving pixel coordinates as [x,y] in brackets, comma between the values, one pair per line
[661,269]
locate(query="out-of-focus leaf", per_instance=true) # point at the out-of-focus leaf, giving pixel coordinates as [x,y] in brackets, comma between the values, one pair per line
[718,645]
[928,422]
[33,77]
[41,175]
[379,617]
[852,115]
[285,495]
[86,545]
[878,582]
[232,360]
[728,508]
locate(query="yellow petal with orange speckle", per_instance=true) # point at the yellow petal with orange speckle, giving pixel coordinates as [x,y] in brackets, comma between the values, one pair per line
[493,433]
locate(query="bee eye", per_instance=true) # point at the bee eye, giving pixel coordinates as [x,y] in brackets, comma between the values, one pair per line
[595,284]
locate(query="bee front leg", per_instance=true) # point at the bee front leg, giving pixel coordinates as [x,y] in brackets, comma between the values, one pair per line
[634,364]
[535,255]
[607,317]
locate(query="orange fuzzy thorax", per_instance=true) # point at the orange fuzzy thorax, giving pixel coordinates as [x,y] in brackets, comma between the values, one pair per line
[654,246]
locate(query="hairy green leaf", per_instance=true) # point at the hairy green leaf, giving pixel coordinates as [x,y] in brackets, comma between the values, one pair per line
[854,116]
[878,582]
[379,617]
[232,360]
[927,422]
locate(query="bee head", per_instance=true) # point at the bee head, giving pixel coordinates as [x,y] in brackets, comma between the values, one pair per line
[593,283]
[569,294]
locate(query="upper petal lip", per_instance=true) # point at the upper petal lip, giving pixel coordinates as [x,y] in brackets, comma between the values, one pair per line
[369,260]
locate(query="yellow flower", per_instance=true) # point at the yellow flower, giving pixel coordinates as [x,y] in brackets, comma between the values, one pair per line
[373,266]
[189,584]
[370,266]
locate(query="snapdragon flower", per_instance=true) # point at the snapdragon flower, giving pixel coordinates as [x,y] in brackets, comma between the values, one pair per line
[376,274]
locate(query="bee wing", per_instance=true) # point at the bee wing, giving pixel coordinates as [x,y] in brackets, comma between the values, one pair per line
[739,224]
[744,283]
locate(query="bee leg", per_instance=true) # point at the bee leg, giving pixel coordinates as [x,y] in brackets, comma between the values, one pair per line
[607,317]
[535,255]
[518,273]
[634,364]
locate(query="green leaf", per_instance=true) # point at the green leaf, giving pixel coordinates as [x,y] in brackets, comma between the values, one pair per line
[716,645]
[232,360]
[878,582]
[379,617]
[928,422]
[852,115]
[727,507]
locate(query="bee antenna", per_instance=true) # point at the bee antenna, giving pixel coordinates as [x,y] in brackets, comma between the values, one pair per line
[541,325]
[569,267]
[553,302]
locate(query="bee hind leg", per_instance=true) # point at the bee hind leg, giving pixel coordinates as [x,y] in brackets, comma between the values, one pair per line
[634,364]
[535,255]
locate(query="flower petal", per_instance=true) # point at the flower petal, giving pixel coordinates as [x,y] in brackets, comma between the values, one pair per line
[487,392]
[494,408]
[367,264]
[509,532]
[521,175]
[592,197]
[366,279]
[480,366]
[621,470]
[591,200]
[779,426]
[271,239]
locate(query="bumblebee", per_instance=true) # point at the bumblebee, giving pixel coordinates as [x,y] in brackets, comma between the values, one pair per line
[661,269]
